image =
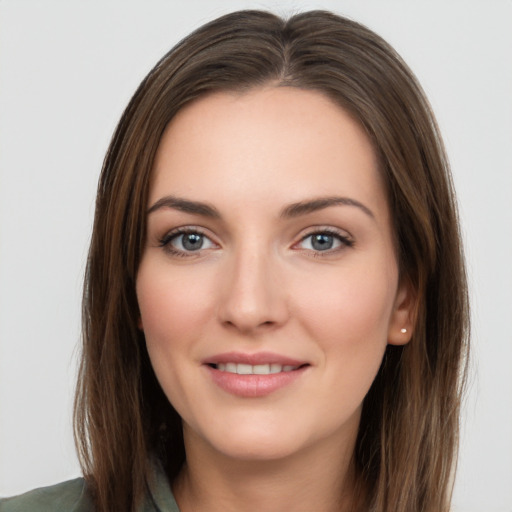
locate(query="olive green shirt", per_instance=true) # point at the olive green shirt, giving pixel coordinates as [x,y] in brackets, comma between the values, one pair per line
[72,496]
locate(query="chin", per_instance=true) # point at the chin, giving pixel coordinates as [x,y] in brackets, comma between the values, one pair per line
[258,448]
[249,440]
[272,439]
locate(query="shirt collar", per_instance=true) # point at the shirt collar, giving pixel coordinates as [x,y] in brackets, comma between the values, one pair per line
[160,497]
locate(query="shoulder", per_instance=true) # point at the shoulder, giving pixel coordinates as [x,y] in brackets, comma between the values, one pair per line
[70,496]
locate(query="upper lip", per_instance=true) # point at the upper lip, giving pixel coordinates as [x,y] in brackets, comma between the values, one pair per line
[253,359]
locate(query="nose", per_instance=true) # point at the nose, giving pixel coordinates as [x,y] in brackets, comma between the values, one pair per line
[254,295]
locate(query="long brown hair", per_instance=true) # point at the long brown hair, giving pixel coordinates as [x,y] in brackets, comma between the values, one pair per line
[406,448]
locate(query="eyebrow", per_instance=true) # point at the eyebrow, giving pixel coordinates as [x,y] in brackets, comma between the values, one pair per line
[291,211]
[184,205]
[313,205]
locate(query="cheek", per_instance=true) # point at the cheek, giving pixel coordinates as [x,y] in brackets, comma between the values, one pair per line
[348,317]
[172,304]
[348,314]
[175,308]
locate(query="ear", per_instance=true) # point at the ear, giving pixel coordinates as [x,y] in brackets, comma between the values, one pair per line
[139,323]
[403,317]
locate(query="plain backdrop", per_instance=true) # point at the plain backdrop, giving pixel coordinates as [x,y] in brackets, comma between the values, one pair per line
[68,68]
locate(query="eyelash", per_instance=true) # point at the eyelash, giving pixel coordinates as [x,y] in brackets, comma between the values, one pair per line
[344,240]
[165,241]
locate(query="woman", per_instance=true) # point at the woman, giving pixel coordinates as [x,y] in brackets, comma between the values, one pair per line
[275,307]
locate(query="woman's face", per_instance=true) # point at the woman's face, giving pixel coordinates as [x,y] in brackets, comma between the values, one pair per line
[268,288]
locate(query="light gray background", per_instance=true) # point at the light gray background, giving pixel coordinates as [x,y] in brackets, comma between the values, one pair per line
[68,68]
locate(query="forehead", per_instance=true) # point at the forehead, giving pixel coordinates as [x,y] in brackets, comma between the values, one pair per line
[271,142]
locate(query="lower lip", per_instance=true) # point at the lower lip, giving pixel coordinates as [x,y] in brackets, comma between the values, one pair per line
[251,386]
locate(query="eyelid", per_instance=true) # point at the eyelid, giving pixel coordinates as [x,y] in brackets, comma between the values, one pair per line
[341,235]
[165,242]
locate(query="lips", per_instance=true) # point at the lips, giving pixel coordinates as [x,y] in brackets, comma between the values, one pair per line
[253,375]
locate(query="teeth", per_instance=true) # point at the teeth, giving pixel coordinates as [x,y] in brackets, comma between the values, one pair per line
[257,369]
[275,368]
[261,369]
[244,369]
[231,367]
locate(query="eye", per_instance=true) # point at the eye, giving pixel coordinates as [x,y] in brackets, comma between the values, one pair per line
[185,241]
[325,241]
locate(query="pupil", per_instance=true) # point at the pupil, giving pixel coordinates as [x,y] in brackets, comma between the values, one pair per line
[322,242]
[192,241]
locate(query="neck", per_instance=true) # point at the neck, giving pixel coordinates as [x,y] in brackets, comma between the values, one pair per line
[320,479]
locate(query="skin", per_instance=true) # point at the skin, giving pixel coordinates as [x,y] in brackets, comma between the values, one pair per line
[260,284]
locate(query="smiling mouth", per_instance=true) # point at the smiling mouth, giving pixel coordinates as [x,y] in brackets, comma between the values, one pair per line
[254,375]
[257,369]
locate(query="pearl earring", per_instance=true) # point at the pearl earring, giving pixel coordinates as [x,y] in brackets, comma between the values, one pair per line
[403,330]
